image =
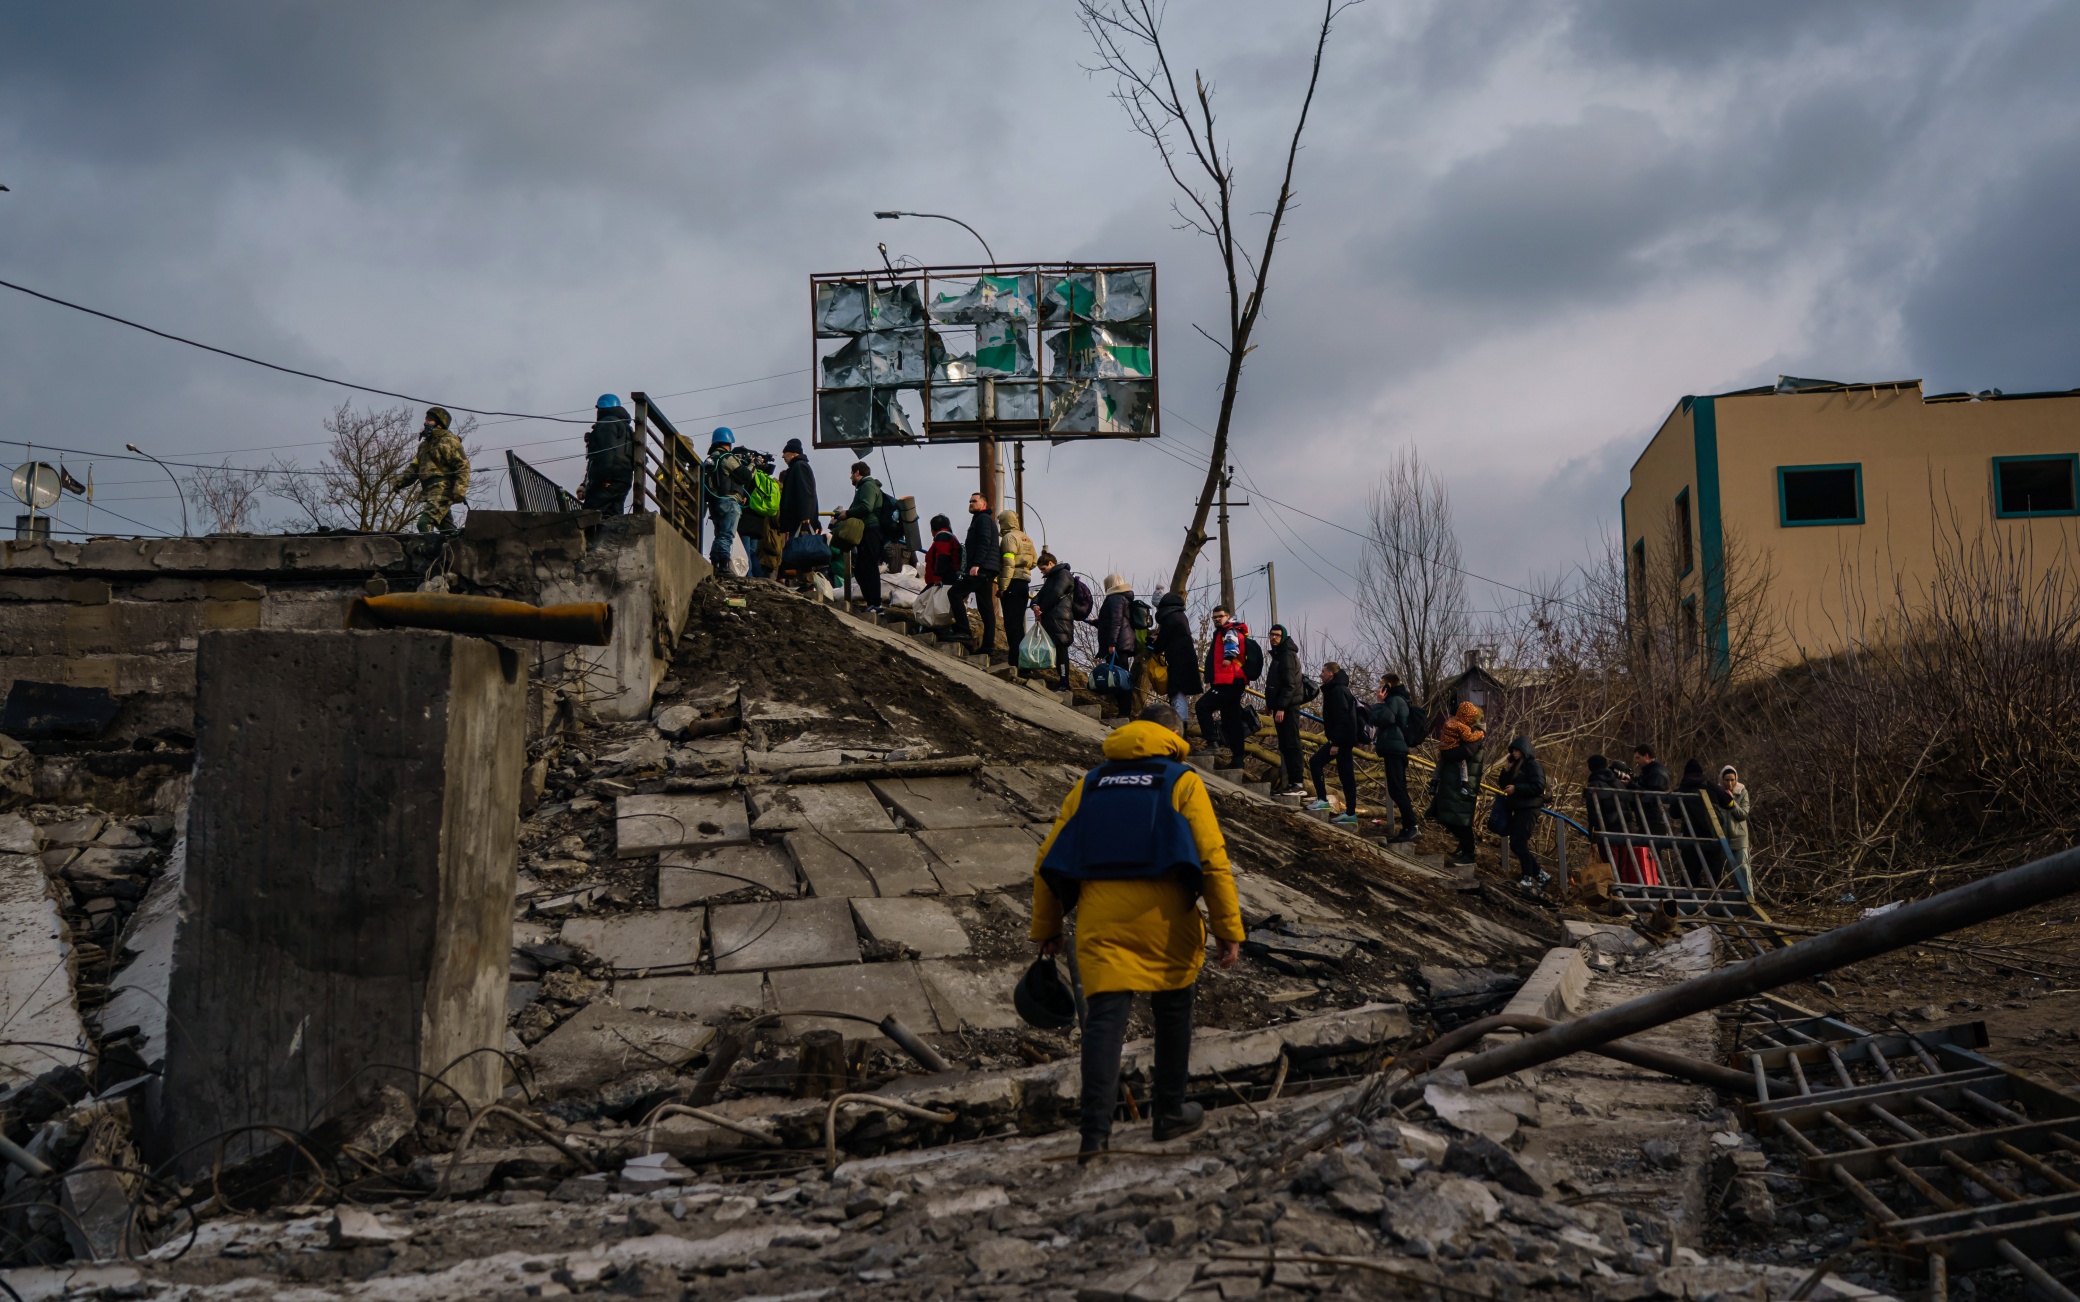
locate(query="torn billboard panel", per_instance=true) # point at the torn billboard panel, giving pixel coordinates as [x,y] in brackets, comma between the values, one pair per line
[968,341]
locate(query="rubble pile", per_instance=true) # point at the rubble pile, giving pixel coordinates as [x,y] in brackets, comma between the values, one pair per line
[760,1043]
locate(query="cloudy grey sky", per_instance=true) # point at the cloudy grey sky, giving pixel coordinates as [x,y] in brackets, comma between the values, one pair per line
[1525,230]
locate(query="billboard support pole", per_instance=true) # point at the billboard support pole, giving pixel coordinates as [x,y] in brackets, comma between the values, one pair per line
[1018,480]
[991,477]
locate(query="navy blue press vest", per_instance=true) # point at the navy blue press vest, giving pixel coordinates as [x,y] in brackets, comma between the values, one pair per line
[1126,827]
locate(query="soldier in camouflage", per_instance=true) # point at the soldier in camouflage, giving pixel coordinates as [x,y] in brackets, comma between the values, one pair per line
[439,474]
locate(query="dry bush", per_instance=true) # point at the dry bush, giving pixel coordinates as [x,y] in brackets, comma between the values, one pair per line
[228,496]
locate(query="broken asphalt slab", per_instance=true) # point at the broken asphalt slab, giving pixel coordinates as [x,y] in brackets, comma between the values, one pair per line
[976,859]
[688,877]
[787,934]
[824,806]
[940,803]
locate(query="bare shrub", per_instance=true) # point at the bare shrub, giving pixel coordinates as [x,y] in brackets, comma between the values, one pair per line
[228,496]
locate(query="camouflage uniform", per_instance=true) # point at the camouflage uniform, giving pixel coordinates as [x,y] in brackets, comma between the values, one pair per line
[439,473]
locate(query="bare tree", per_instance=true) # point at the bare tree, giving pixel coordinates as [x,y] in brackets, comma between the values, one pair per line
[356,485]
[1129,41]
[1411,590]
[228,496]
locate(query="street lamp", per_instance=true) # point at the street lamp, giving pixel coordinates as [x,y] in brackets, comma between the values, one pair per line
[940,216]
[169,474]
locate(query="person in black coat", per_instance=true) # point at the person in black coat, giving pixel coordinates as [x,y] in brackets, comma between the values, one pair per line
[1648,773]
[1598,813]
[985,558]
[1284,694]
[1116,641]
[1717,797]
[1523,782]
[797,493]
[610,457]
[1343,727]
[1057,606]
[1173,642]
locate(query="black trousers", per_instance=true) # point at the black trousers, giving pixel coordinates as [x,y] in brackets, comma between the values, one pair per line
[1397,788]
[983,587]
[1017,596]
[1346,773]
[1465,838]
[1521,824]
[606,495]
[1289,746]
[1223,702]
[1105,1033]
[866,567]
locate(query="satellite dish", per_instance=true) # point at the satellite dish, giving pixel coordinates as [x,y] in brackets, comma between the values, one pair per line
[35,484]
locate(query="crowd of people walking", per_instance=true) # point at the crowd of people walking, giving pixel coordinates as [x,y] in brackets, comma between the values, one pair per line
[1150,653]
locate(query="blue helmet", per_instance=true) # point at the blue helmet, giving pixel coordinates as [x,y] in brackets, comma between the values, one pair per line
[607,400]
[723,435]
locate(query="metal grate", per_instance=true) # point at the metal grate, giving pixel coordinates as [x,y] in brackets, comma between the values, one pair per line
[535,491]
[1959,1162]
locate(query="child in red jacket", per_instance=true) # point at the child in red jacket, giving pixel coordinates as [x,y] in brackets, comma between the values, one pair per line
[942,563]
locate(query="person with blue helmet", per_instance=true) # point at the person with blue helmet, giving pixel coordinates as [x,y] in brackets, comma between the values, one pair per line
[610,457]
[726,478]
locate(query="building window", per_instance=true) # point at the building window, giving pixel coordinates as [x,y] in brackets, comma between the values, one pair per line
[1686,554]
[1637,577]
[1819,495]
[2026,486]
[1692,637]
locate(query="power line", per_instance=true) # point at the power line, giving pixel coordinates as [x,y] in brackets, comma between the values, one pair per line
[286,370]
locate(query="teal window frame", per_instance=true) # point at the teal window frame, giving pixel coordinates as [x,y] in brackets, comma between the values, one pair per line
[2072,460]
[1784,520]
[1689,524]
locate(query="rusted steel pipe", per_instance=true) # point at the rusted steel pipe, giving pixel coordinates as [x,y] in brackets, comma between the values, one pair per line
[582,623]
[2039,882]
[1639,1055]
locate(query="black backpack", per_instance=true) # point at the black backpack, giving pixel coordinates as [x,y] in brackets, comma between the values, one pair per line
[1417,726]
[891,517]
[1252,659]
[1310,690]
[1140,615]
[1081,603]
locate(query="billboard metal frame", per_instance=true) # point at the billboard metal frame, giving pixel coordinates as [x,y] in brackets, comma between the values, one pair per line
[981,430]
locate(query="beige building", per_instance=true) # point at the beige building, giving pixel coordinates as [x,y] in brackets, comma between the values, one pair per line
[1842,489]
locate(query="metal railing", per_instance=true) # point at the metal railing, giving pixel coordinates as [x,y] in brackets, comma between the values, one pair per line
[668,471]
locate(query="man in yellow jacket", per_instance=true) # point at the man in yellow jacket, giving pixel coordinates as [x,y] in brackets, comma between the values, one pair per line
[1135,847]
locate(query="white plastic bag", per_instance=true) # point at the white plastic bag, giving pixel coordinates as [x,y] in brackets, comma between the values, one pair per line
[739,559]
[935,607]
[1037,651]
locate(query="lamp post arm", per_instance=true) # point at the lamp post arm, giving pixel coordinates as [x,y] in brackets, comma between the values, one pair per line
[178,490]
[940,216]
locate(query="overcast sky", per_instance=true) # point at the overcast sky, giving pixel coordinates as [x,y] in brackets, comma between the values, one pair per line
[1525,231]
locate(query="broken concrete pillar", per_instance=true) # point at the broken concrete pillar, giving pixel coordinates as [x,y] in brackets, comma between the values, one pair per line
[346,910]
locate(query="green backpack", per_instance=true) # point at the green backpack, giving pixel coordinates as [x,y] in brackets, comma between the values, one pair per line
[765,493]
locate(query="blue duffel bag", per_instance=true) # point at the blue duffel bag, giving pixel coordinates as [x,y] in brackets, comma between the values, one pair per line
[806,553]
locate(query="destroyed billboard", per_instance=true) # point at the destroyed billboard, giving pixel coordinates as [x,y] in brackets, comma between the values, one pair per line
[957,354]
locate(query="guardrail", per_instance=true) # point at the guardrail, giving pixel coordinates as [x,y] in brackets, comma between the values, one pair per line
[668,471]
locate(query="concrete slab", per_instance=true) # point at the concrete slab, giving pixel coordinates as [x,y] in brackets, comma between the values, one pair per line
[927,927]
[973,994]
[1555,989]
[600,1043]
[636,942]
[42,1026]
[824,806]
[1261,896]
[894,861]
[867,990]
[687,877]
[1040,788]
[648,824]
[790,934]
[705,997]
[978,859]
[829,872]
[939,803]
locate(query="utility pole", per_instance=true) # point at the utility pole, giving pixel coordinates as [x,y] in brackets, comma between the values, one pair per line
[991,477]
[1018,479]
[1227,561]
[1271,581]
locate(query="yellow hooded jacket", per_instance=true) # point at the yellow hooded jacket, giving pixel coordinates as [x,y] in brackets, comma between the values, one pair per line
[1148,934]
